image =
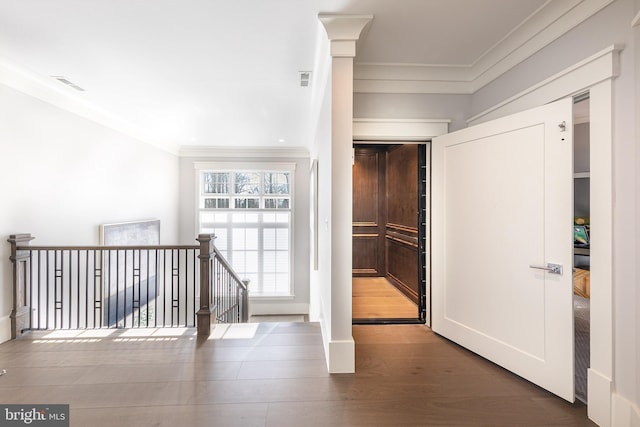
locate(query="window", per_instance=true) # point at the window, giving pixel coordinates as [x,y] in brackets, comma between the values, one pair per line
[250,213]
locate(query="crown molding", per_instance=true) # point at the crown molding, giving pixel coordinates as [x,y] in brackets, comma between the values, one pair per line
[575,79]
[545,25]
[242,152]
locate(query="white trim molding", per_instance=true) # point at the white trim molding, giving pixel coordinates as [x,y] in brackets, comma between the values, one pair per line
[577,78]
[624,412]
[399,129]
[244,166]
[242,152]
[548,23]
[599,397]
[259,306]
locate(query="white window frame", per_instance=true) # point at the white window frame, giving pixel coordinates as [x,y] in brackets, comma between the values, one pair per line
[201,167]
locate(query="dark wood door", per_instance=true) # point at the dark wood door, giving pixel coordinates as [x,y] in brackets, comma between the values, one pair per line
[369,208]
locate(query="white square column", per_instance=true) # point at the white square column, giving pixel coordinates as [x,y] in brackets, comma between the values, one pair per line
[343,32]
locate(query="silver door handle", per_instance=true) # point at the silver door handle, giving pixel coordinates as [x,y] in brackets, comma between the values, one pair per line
[551,268]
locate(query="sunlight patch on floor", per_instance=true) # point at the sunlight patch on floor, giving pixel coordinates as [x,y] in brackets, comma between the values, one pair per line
[241,331]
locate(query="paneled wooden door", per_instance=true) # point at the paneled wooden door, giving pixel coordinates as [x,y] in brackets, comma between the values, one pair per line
[369,211]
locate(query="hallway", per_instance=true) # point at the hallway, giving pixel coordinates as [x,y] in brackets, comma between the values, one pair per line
[270,374]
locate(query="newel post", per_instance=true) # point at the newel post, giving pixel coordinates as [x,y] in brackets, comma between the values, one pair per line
[20,312]
[205,314]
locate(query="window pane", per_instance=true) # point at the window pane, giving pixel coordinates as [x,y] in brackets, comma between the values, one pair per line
[216,182]
[244,218]
[247,183]
[282,262]
[247,203]
[276,203]
[251,258]
[282,242]
[269,284]
[269,242]
[207,218]
[238,240]
[276,182]
[238,261]
[220,218]
[245,239]
[221,238]
[283,204]
[269,261]
[216,203]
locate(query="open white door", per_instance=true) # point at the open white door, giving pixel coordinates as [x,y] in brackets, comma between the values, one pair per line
[502,201]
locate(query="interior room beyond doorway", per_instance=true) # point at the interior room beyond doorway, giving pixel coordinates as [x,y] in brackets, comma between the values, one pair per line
[388,193]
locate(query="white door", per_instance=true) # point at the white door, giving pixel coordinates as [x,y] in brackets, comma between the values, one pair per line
[502,201]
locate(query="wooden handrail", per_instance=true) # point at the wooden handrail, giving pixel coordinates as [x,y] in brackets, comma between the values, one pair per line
[230,269]
[105,248]
[213,270]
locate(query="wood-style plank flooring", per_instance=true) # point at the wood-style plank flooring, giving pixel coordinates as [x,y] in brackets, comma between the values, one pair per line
[270,374]
[375,297]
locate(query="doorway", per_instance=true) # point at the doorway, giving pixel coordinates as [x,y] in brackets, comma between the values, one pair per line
[582,244]
[389,233]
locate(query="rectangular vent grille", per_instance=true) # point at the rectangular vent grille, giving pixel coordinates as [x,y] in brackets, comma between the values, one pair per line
[305,78]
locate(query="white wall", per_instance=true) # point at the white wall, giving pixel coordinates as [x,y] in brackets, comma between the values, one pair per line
[63,175]
[299,304]
[321,151]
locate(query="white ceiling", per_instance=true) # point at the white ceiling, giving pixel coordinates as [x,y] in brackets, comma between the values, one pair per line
[225,73]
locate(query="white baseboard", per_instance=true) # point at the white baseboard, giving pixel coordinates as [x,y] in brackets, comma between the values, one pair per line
[624,412]
[5,329]
[270,308]
[599,398]
[341,357]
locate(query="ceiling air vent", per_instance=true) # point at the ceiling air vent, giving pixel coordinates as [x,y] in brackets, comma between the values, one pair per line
[305,77]
[66,82]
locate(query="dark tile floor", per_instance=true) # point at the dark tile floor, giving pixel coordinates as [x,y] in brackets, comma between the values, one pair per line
[270,374]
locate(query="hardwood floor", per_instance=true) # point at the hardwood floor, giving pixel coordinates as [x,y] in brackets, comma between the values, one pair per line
[271,374]
[375,297]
